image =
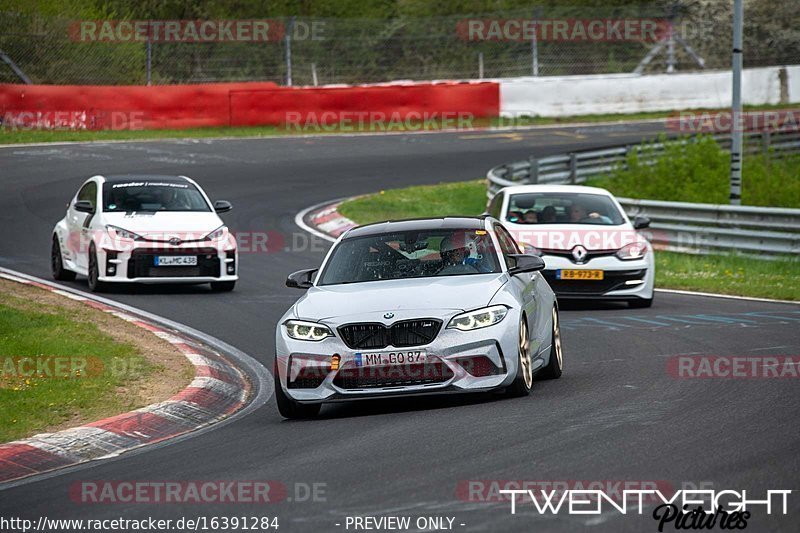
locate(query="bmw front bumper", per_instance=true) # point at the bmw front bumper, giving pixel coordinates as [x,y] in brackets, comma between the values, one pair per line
[452,355]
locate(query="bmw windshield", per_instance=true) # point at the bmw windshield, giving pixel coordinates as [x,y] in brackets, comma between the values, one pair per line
[149,196]
[411,254]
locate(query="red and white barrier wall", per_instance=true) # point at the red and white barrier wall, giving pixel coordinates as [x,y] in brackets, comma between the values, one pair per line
[240,104]
[558,96]
[263,103]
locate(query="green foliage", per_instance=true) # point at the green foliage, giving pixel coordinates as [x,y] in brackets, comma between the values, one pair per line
[699,171]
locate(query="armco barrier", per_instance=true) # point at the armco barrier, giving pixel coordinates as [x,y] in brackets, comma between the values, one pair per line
[679,226]
[240,104]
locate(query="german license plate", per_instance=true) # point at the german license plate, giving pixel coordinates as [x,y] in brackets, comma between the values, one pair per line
[176,260]
[389,358]
[579,274]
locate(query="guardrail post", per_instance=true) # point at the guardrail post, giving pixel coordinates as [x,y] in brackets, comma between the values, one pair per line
[573,168]
[533,170]
[765,140]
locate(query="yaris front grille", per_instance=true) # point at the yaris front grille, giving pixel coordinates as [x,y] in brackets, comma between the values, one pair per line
[403,334]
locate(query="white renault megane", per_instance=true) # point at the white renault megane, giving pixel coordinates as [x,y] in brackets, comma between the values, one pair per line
[591,250]
[146,229]
[414,307]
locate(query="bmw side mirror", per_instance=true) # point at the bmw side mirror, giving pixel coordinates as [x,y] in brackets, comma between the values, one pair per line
[525,263]
[641,222]
[301,279]
[84,206]
[222,206]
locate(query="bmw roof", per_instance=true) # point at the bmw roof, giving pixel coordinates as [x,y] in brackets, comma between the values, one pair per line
[417,224]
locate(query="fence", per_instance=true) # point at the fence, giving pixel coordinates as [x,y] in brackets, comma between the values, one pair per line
[310,51]
[680,226]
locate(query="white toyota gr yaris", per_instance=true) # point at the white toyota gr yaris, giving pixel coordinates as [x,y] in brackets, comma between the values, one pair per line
[414,307]
[144,229]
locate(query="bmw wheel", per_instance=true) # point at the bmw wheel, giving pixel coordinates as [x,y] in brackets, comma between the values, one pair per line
[524,381]
[556,363]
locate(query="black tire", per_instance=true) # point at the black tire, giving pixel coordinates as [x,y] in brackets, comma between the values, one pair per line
[57,263]
[523,382]
[640,303]
[289,408]
[222,286]
[95,285]
[556,364]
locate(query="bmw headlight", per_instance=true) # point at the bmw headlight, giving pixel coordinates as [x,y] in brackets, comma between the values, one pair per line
[306,331]
[216,234]
[634,250]
[480,318]
[119,233]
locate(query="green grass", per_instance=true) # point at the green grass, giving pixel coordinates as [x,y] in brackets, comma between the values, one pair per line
[726,274]
[700,172]
[31,404]
[467,198]
[17,136]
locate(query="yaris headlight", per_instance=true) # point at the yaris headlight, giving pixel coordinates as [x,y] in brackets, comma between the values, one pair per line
[216,234]
[119,233]
[480,318]
[307,331]
[632,251]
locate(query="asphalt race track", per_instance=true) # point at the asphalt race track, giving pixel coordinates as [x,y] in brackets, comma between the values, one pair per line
[616,415]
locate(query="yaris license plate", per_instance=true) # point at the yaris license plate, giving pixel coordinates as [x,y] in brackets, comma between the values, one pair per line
[176,260]
[389,358]
[579,274]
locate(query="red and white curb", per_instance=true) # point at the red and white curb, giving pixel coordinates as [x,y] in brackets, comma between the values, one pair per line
[218,390]
[324,220]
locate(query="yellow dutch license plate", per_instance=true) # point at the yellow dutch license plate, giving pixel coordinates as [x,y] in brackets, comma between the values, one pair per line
[579,274]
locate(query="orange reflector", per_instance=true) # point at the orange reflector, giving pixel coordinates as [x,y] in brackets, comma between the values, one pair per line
[480,232]
[335,362]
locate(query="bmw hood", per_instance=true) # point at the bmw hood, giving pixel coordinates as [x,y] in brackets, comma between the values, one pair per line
[403,298]
[197,224]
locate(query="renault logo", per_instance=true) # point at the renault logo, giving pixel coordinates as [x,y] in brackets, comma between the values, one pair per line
[387,316]
[579,254]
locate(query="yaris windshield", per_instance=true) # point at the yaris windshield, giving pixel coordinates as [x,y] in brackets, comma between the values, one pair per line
[563,208]
[145,195]
[411,254]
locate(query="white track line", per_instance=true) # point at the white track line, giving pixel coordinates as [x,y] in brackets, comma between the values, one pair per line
[728,296]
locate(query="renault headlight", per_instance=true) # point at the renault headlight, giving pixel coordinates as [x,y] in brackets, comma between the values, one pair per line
[119,233]
[632,251]
[306,331]
[480,318]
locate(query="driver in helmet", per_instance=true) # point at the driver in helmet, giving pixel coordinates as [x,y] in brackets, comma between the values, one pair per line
[459,255]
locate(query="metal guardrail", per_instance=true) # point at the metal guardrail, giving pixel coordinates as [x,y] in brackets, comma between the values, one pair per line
[678,226]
